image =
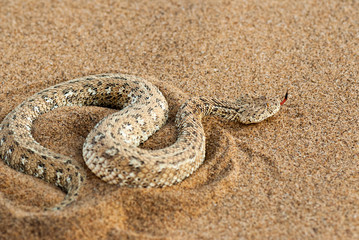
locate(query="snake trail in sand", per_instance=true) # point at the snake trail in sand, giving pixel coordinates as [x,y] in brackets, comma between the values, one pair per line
[111,149]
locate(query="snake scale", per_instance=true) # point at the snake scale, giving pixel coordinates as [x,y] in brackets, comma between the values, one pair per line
[111,149]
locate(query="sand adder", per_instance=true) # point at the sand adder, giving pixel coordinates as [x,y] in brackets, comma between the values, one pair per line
[111,149]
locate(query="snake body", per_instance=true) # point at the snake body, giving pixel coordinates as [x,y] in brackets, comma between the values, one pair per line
[111,149]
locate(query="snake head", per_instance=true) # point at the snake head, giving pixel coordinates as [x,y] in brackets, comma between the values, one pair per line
[256,109]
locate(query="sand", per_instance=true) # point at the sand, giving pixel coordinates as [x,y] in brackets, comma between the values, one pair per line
[293,176]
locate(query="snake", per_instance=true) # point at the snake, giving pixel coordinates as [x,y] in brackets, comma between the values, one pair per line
[111,149]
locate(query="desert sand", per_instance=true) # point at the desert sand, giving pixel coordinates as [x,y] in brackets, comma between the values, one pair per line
[293,176]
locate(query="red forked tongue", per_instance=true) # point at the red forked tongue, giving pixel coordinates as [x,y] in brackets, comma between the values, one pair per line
[285,99]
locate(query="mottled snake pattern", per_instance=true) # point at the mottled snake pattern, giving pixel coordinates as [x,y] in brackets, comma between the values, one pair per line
[111,149]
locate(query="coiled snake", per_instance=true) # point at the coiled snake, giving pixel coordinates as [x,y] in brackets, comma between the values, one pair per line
[111,149]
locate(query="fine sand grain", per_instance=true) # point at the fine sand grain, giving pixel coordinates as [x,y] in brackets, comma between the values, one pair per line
[293,176]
